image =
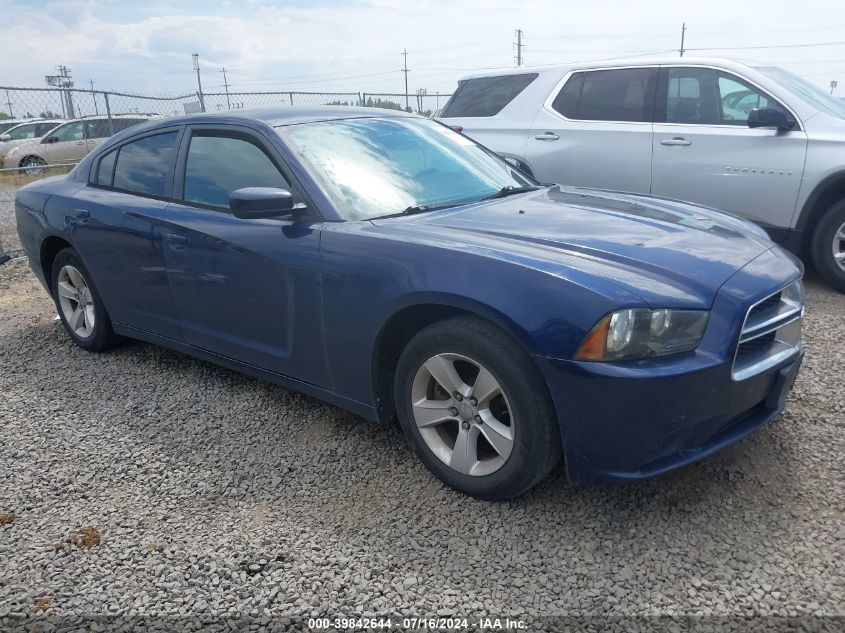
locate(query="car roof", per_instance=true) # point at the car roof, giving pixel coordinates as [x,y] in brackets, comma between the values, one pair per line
[292,115]
[618,62]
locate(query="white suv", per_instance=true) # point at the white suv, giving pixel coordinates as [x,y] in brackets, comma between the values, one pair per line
[751,139]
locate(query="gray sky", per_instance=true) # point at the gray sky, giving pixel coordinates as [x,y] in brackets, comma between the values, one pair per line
[356,45]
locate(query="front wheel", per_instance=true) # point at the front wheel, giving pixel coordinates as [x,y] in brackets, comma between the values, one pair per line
[828,246]
[33,165]
[476,409]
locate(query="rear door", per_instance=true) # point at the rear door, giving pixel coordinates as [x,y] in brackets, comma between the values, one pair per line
[117,230]
[595,130]
[245,289]
[704,151]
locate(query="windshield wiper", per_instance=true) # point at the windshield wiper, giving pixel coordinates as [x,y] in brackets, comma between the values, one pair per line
[510,190]
[421,208]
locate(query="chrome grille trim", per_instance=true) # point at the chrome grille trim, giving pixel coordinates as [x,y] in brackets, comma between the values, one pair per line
[776,318]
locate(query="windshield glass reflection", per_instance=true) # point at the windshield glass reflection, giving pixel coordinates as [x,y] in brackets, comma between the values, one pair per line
[371,167]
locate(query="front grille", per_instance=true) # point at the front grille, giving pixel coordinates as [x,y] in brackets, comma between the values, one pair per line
[771,332]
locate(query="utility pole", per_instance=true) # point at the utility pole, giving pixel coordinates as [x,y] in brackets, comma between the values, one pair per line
[519,47]
[196,58]
[226,84]
[64,82]
[405,54]
[9,103]
[93,96]
[683,33]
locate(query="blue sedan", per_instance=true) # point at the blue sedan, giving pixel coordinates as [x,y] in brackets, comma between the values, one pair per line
[395,268]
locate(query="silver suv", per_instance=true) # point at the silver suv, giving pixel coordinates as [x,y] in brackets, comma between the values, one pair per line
[751,139]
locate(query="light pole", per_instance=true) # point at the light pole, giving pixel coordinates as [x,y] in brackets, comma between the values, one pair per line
[196,58]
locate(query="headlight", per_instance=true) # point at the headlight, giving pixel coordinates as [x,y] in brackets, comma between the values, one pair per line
[642,333]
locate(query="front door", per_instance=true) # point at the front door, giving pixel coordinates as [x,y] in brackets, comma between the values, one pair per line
[595,131]
[704,151]
[245,289]
[66,144]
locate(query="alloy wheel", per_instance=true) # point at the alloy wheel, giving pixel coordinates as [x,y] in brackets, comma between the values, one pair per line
[76,301]
[838,247]
[33,166]
[462,414]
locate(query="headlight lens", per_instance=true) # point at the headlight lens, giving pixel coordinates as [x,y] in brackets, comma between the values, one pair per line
[642,333]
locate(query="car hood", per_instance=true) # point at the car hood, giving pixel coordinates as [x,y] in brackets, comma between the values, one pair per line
[665,252]
[7,146]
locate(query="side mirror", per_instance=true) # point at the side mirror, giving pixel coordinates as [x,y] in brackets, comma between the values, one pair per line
[261,202]
[770,117]
[51,139]
[5,137]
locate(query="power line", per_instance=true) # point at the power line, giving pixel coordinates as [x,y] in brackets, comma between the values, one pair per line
[737,48]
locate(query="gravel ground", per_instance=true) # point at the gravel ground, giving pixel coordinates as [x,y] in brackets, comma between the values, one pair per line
[213,495]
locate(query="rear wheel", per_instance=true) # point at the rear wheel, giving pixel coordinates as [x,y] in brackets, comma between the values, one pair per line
[79,305]
[476,410]
[828,246]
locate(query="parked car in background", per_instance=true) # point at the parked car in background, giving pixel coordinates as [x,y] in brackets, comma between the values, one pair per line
[69,142]
[34,131]
[6,124]
[750,139]
[393,267]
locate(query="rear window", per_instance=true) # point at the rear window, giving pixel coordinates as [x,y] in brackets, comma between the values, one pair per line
[609,95]
[486,96]
[142,166]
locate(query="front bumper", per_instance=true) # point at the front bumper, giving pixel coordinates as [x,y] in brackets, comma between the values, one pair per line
[628,421]
[623,428]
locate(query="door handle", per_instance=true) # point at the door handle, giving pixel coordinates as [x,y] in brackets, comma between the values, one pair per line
[81,214]
[176,242]
[678,140]
[80,142]
[547,136]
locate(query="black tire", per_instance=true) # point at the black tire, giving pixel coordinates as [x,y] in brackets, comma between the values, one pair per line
[33,165]
[536,440]
[822,246]
[102,336]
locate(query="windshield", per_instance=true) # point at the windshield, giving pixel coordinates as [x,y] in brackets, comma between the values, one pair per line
[21,132]
[374,167]
[809,92]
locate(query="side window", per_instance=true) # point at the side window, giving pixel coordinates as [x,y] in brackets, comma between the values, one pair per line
[22,132]
[738,98]
[610,95]
[486,96]
[217,165]
[705,96]
[566,102]
[105,170]
[142,166]
[69,132]
[99,128]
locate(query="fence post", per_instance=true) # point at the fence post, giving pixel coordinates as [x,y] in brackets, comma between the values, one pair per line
[363,99]
[360,100]
[290,96]
[108,113]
